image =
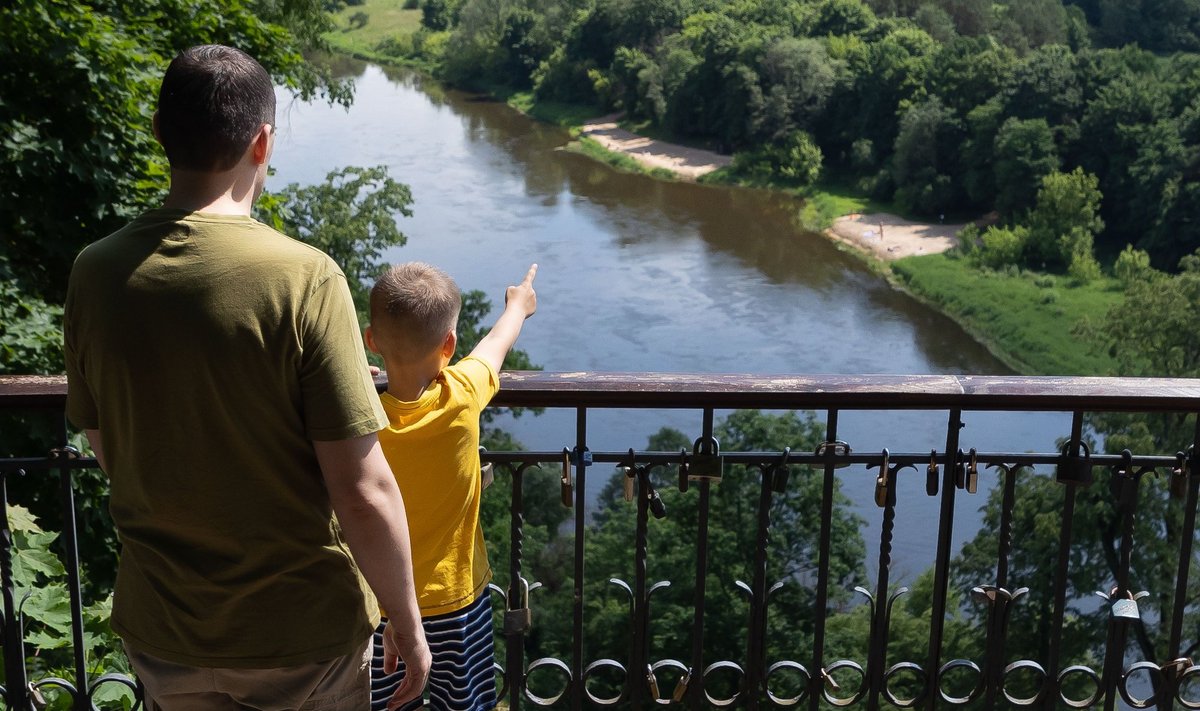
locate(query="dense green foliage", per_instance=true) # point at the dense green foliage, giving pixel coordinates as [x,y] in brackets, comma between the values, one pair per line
[78,90]
[942,106]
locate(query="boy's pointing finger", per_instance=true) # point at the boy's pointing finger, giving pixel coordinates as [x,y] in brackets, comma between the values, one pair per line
[530,275]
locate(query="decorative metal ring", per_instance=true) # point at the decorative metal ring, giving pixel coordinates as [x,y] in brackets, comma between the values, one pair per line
[858,693]
[1156,679]
[669,664]
[1192,671]
[54,682]
[546,662]
[602,664]
[112,678]
[1088,672]
[497,669]
[794,666]
[960,664]
[1021,665]
[894,670]
[713,667]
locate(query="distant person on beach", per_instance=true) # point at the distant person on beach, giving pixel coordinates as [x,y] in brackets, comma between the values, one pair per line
[432,443]
[216,368]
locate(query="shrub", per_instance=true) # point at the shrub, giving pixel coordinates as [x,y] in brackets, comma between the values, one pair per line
[395,46]
[359,20]
[1001,247]
[1131,265]
[412,4]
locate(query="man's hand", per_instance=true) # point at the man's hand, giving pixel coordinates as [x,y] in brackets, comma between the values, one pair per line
[415,655]
[522,295]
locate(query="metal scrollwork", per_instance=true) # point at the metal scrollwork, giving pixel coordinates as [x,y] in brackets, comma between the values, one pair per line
[1090,674]
[605,664]
[549,663]
[716,666]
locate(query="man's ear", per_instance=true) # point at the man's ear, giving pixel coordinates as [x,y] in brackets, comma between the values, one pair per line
[260,147]
[450,344]
[369,337]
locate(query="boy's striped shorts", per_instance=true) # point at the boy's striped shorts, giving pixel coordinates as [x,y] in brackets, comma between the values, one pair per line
[462,677]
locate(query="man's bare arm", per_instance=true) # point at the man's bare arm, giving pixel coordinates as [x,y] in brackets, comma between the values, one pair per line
[371,513]
[97,443]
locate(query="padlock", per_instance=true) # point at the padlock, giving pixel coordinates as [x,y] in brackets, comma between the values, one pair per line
[973,473]
[36,698]
[1077,469]
[486,471]
[565,482]
[706,464]
[656,504]
[931,474]
[779,478]
[681,686]
[837,448]
[779,472]
[1126,608]
[652,682]
[1179,476]
[518,620]
[881,481]
[628,484]
[960,471]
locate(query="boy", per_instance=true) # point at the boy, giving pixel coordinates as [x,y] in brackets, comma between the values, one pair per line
[432,443]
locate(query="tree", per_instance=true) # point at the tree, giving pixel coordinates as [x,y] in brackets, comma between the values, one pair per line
[1064,223]
[351,217]
[925,161]
[79,87]
[798,78]
[1024,153]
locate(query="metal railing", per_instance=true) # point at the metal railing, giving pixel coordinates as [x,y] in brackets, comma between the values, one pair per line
[1113,673]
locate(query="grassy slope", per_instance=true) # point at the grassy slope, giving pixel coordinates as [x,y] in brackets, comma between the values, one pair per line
[1025,325]
[1025,319]
[386,18]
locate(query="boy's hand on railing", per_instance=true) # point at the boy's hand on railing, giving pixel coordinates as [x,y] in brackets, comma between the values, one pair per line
[522,295]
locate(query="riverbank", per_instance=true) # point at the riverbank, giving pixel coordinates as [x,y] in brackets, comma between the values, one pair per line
[1029,328]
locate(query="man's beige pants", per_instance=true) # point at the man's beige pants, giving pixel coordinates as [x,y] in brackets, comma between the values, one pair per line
[342,684]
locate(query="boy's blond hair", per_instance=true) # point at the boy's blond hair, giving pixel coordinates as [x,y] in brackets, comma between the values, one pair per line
[413,307]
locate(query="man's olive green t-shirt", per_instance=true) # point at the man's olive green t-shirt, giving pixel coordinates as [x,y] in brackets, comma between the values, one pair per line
[210,351]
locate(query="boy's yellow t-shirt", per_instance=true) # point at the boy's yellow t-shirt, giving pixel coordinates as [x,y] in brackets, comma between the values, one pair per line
[432,445]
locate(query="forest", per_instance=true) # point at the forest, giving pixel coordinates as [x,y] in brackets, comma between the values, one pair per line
[957,107]
[1077,123]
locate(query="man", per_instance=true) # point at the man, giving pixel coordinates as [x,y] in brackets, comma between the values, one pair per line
[217,370]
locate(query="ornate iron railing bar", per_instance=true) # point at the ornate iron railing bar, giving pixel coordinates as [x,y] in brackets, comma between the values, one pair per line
[16,677]
[1190,476]
[576,684]
[516,619]
[696,692]
[64,454]
[816,672]
[1052,686]
[941,574]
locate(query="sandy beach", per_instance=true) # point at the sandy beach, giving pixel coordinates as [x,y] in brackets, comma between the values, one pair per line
[687,163]
[882,235]
[889,237]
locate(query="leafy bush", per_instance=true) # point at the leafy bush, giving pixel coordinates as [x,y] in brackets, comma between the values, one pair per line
[797,160]
[1131,265]
[40,583]
[395,46]
[412,4]
[1001,247]
[359,20]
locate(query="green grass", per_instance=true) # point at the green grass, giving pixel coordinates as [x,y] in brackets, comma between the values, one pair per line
[569,116]
[1025,319]
[386,18]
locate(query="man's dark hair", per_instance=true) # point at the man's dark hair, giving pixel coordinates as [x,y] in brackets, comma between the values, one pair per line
[212,102]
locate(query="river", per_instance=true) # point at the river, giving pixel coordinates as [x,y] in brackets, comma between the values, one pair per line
[638,274]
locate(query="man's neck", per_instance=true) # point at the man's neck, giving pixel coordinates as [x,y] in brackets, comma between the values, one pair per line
[228,193]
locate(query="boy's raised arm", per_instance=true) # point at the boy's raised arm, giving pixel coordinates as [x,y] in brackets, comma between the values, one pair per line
[520,302]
